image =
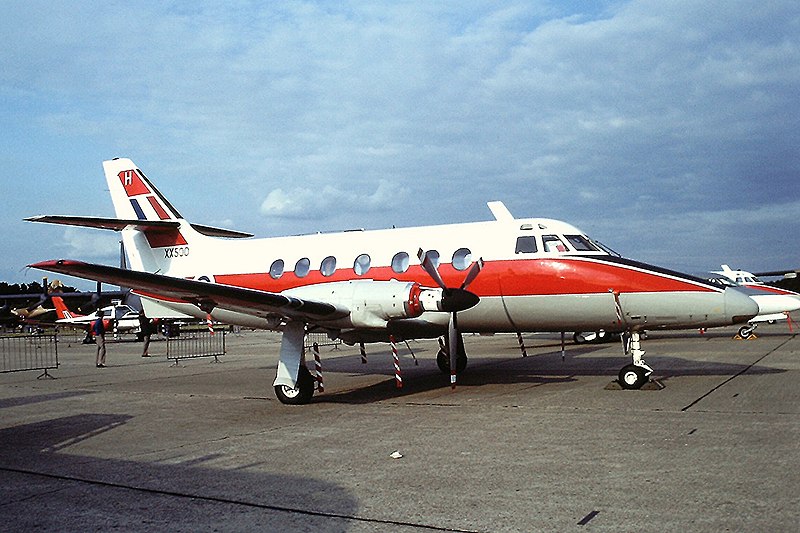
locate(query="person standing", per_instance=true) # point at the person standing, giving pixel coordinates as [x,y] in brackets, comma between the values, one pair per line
[145,330]
[99,331]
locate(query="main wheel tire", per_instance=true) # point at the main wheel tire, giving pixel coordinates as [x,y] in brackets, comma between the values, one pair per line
[632,377]
[302,392]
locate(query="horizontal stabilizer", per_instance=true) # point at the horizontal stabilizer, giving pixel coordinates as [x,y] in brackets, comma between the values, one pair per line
[211,231]
[118,224]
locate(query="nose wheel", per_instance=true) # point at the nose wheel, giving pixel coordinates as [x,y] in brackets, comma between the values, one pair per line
[633,377]
[747,331]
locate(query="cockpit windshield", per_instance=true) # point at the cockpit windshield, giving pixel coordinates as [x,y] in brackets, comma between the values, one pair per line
[581,243]
[606,248]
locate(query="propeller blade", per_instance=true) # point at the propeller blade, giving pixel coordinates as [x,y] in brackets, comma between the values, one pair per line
[430,268]
[473,273]
[452,337]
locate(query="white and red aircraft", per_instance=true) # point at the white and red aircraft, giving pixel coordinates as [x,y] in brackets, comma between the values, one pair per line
[533,274]
[774,303]
[124,316]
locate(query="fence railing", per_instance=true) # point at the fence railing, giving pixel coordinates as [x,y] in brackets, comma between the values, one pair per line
[19,353]
[321,339]
[194,343]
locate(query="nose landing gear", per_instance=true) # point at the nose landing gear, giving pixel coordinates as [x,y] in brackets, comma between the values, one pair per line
[636,374]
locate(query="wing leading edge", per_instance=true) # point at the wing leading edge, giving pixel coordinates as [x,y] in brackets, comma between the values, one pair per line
[203,294]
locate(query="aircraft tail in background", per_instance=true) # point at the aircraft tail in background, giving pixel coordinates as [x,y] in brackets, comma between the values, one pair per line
[62,312]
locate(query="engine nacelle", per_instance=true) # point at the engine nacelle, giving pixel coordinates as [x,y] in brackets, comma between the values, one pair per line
[372,304]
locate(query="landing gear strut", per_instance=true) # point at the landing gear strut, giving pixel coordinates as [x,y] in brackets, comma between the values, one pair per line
[636,374]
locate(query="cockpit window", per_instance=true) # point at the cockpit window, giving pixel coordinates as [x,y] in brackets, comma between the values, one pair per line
[526,245]
[580,243]
[553,244]
[606,249]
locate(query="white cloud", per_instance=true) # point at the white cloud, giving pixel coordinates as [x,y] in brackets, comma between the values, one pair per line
[310,204]
[90,244]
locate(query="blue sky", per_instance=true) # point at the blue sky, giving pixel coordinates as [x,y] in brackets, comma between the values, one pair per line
[668,130]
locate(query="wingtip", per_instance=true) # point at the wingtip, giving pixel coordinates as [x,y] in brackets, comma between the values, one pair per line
[51,263]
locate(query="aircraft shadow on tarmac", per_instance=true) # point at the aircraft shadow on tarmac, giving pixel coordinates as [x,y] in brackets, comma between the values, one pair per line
[27,400]
[92,493]
[537,370]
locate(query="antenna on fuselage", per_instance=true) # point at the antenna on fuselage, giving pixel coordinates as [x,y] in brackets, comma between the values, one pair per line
[500,211]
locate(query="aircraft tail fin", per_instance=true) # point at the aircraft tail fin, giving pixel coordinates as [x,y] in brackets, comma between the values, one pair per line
[162,227]
[134,196]
[62,312]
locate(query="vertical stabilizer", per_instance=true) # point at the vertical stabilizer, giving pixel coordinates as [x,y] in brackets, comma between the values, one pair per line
[62,311]
[136,198]
[133,195]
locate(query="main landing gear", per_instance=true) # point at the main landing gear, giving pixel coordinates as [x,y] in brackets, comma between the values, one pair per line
[636,374]
[301,393]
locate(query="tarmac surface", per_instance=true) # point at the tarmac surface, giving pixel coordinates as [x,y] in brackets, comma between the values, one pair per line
[522,444]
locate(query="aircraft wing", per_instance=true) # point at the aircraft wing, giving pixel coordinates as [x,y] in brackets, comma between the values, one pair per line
[205,295]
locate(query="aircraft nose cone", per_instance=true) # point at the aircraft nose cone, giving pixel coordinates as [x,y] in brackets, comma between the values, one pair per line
[739,307]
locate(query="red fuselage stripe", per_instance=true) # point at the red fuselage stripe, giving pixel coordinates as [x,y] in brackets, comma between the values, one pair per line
[499,278]
[770,289]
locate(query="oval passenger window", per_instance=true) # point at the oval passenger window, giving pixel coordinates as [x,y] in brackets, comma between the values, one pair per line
[400,262]
[462,259]
[361,264]
[301,267]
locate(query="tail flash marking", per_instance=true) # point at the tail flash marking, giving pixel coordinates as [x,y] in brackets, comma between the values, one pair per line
[162,214]
[162,239]
[132,183]
[138,209]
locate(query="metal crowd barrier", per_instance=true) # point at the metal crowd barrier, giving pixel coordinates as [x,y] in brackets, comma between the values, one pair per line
[194,343]
[29,352]
[321,339]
